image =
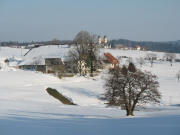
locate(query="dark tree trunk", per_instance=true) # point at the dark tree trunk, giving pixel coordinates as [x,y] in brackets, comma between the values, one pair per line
[91,69]
[130,112]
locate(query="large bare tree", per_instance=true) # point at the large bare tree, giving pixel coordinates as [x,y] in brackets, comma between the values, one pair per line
[151,57]
[178,75]
[37,61]
[55,42]
[129,87]
[140,61]
[85,50]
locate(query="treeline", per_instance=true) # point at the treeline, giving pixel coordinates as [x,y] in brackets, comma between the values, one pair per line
[52,42]
[171,46]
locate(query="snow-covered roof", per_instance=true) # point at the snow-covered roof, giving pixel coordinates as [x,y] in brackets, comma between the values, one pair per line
[39,54]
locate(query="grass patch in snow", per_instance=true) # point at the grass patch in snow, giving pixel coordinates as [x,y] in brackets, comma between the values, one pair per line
[59,96]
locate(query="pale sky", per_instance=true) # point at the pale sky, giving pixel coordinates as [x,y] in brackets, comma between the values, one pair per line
[42,20]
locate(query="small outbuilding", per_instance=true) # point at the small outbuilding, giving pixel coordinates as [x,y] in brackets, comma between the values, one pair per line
[111,59]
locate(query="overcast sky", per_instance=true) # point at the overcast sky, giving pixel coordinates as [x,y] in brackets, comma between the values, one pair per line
[37,20]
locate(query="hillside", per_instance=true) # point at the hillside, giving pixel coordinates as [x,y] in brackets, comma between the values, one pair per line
[28,108]
[171,46]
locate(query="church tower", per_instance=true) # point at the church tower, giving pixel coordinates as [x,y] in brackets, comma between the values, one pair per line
[105,40]
[99,40]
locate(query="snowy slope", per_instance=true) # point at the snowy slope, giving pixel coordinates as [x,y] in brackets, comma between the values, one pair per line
[14,55]
[25,102]
[85,91]
[169,86]
[76,87]
[9,52]
[132,53]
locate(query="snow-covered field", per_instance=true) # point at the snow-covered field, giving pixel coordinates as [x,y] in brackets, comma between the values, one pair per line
[26,108]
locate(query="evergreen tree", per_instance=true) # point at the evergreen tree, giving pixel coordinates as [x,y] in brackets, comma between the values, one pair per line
[131,67]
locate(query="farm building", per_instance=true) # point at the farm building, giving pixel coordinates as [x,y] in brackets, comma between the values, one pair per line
[47,59]
[111,59]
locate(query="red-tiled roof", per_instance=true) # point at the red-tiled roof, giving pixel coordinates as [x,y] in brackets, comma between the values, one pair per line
[111,58]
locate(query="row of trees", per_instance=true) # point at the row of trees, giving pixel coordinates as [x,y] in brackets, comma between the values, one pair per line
[170,47]
[151,57]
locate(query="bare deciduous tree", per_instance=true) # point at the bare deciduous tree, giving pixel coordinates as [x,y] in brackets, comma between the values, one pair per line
[85,50]
[151,57]
[36,61]
[140,61]
[178,75]
[170,57]
[131,88]
[55,42]
[129,60]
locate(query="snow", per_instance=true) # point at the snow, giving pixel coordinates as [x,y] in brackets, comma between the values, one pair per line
[42,52]
[8,52]
[132,53]
[169,86]
[168,125]
[26,107]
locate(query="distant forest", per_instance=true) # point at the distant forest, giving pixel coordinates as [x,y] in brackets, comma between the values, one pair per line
[171,46]
[52,42]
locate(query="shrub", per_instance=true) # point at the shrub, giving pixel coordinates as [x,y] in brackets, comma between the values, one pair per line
[68,75]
